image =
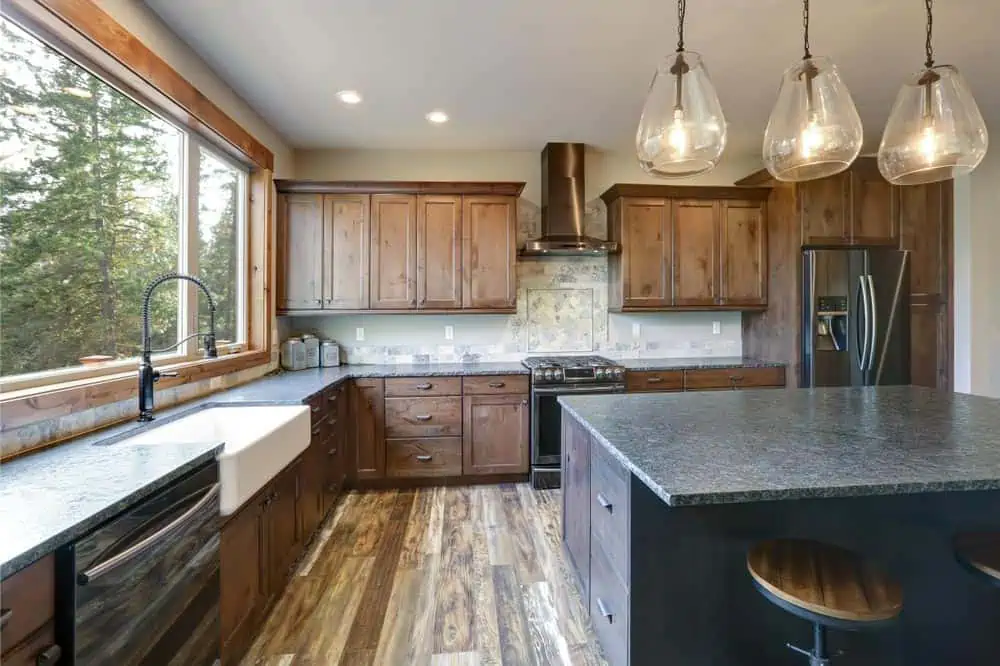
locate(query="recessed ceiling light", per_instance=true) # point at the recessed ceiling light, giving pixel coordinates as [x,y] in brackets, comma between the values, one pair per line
[77,92]
[349,96]
[437,117]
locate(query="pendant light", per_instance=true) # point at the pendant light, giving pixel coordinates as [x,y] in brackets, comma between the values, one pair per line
[814,130]
[935,131]
[682,131]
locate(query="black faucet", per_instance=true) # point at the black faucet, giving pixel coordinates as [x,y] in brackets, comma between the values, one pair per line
[147,374]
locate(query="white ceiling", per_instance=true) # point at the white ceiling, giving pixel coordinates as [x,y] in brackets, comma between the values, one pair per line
[514,74]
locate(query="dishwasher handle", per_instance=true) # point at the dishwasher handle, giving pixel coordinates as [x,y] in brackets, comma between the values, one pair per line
[141,547]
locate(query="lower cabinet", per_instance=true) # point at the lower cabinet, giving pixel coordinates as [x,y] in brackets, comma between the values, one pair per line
[259,545]
[368,405]
[26,616]
[495,435]
[332,455]
[576,499]
[704,379]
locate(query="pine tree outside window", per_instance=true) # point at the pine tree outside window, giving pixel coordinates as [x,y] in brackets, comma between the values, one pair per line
[98,195]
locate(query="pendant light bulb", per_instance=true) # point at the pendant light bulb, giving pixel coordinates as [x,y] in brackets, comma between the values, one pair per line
[682,131]
[814,130]
[935,130]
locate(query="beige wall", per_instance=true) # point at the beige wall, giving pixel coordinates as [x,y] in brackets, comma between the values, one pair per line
[147,26]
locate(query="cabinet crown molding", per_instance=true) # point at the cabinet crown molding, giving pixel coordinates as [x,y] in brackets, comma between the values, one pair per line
[651,191]
[286,186]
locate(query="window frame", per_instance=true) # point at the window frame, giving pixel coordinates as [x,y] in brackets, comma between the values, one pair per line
[83,32]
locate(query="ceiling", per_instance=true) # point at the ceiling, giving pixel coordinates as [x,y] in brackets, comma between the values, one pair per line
[514,74]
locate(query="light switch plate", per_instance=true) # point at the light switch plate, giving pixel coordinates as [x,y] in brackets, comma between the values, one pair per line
[449,332]
[716,328]
[359,334]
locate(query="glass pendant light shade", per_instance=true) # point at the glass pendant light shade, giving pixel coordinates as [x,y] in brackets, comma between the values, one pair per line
[935,131]
[682,131]
[814,130]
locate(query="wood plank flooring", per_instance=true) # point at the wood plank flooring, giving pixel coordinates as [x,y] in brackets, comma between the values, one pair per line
[457,576]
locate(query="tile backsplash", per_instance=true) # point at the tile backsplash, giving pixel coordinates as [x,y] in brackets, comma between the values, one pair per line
[562,307]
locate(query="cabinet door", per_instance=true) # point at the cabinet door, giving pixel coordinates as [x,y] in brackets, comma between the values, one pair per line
[439,252]
[696,252]
[284,535]
[243,579]
[334,451]
[495,435]
[576,499]
[369,427]
[743,241]
[346,224]
[300,251]
[394,256]
[646,241]
[312,481]
[874,206]
[824,210]
[489,230]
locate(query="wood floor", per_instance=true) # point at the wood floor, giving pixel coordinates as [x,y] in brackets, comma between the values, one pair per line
[458,576]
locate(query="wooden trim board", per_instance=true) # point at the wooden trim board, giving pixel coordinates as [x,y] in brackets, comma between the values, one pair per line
[397,187]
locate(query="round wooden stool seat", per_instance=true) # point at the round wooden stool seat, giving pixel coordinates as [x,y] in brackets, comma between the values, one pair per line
[980,552]
[824,583]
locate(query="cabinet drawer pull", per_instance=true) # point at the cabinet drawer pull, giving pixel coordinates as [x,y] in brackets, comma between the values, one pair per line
[332,452]
[603,610]
[423,417]
[49,655]
[496,385]
[654,380]
[424,458]
[603,501]
[331,398]
[426,386]
[332,420]
[316,428]
[314,409]
[736,378]
[5,615]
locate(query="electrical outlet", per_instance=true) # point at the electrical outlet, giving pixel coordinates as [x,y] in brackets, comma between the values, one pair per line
[449,332]
[716,328]
[636,330]
[359,334]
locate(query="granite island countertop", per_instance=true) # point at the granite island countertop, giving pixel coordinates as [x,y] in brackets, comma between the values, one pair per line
[747,446]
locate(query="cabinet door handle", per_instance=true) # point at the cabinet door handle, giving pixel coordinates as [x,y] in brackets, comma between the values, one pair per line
[423,417]
[603,501]
[424,458]
[654,380]
[427,386]
[5,615]
[603,610]
[332,452]
[49,655]
[496,385]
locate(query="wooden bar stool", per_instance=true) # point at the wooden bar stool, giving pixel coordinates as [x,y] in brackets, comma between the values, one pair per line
[827,585]
[979,552]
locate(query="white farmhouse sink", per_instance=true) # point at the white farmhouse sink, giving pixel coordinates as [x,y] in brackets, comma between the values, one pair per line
[259,443]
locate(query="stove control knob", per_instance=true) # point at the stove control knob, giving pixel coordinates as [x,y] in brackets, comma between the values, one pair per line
[619,373]
[600,373]
[558,374]
[548,374]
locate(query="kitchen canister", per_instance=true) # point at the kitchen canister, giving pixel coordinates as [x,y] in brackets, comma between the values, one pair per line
[329,353]
[312,350]
[293,354]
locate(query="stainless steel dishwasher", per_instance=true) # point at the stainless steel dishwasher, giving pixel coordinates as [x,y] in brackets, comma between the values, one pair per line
[146,584]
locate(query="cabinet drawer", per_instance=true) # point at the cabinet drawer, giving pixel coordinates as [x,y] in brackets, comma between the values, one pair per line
[423,417]
[495,384]
[423,457]
[420,386]
[317,408]
[39,648]
[609,607]
[695,380]
[28,601]
[609,510]
[654,380]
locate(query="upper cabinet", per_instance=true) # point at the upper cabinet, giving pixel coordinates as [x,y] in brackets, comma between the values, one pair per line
[856,207]
[397,247]
[687,248]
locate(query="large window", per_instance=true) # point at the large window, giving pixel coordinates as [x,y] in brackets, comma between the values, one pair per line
[99,196]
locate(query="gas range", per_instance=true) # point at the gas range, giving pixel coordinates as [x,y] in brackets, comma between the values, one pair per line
[573,370]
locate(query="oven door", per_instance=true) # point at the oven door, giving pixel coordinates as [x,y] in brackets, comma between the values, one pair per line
[546,420]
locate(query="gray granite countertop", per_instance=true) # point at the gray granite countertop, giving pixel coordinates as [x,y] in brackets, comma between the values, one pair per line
[51,498]
[699,362]
[745,446]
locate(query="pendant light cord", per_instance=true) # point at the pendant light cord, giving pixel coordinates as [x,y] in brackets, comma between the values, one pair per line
[805,29]
[681,11]
[930,33]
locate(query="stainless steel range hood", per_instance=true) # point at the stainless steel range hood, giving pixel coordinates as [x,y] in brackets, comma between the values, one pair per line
[563,206]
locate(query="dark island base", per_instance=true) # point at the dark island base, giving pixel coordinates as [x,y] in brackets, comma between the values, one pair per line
[693,601]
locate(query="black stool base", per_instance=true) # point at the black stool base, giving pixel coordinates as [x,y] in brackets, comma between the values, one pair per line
[818,655]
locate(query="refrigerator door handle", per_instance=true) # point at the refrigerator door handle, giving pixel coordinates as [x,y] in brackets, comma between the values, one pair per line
[873,322]
[861,323]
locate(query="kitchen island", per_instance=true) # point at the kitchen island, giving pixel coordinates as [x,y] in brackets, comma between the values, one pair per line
[665,493]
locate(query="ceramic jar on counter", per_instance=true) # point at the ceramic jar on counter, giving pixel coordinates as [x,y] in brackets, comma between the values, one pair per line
[293,354]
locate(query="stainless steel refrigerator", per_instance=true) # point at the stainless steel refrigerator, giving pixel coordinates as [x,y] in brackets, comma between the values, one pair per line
[855,317]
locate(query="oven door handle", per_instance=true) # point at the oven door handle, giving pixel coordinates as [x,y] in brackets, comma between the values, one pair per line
[141,547]
[575,390]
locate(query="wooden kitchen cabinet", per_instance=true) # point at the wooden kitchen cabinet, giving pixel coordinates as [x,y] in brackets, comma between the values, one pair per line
[439,251]
[489,245]
[394,252]
[346,251]
[687,248]
[576,500]
[300,242]
[495,435]
[368,405]
[285,538]
[855,207]
[27,604]
[333,452]
[824,210]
